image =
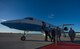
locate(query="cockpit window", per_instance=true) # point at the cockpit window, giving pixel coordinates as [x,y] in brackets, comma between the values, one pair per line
[29,18]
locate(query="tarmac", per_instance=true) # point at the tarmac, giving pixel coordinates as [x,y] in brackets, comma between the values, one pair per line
[12,41]
[33,41]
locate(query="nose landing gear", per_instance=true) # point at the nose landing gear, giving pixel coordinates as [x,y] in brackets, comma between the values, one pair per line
[23,37]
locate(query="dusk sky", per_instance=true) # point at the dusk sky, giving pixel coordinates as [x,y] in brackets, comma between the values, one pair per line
[55,12]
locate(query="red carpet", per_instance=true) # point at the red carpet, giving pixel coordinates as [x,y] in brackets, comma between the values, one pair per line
[62,45]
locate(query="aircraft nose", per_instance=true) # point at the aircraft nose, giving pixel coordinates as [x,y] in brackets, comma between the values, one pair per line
[3,23]
[6,24]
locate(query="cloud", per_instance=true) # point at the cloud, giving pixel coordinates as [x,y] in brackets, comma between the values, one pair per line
[1,20]
[51,16]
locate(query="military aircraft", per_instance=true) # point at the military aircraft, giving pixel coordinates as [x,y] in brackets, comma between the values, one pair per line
[26,24]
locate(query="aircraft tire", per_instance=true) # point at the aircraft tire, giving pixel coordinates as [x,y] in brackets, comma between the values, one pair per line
[23,38]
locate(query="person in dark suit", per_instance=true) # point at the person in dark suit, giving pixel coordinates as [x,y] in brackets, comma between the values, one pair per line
[45,29]
[53,35]
[56,34]
[59,33]
[71,34]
